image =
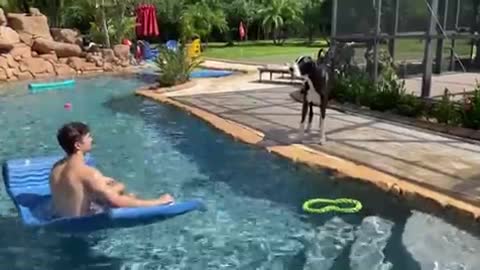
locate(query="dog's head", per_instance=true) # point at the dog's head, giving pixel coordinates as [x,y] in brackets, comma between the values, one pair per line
[302,66]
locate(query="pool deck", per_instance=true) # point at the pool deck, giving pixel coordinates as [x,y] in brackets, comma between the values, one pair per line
[406,161]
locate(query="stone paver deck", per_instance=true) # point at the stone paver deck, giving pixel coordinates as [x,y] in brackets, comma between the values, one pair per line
[455,82]
[438,162]
[443,164]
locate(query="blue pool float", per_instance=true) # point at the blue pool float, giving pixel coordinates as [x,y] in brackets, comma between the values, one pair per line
[45,86]
[27,184]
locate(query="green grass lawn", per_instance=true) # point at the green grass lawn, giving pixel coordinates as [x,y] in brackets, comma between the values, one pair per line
[266,52]
[263,51]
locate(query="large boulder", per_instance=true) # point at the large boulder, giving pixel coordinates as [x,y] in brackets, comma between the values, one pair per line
[3,75]
[26,38]
[76,63]
[10,73]
[25,75]
[21,50]
[66,35]
[97,59]
[121,51]
[8,38]
[91,68]
[64,70]
[3,62]
[45,46]
[108,55]
[7,61]
[29,26]
[35,65]
[108,67]
[50,57]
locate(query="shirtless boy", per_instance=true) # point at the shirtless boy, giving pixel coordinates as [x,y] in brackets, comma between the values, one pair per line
[78,189]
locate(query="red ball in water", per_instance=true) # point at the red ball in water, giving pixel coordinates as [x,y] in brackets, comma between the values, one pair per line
[67,105]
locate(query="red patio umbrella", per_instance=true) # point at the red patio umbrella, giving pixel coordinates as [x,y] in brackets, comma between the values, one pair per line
[241,30]
[146,19]
[153,21]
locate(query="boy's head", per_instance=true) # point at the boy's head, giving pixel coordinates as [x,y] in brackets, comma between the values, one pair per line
[74,137]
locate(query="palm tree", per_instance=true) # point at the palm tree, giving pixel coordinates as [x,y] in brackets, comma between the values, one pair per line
[106,17]
[313,17]
[241,11]
[277,13]
[200,19]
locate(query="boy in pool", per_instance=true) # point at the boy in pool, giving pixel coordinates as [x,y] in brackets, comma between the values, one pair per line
[78,189]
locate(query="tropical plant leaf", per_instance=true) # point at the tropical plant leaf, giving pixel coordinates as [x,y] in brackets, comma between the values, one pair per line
[175,67]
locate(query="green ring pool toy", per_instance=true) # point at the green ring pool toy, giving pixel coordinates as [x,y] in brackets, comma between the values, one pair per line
[333,206]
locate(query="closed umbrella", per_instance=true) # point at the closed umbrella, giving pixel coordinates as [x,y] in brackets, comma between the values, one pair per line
[155,30]
[241,30]
[147,25]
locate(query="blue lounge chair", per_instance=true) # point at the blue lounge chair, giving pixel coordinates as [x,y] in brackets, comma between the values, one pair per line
[172,45]
[149,53]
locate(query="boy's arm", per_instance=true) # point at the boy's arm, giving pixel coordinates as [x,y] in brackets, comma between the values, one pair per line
[95,182]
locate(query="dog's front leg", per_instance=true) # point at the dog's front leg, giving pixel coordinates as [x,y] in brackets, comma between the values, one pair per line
[322,118]
[310,117]
[301,129]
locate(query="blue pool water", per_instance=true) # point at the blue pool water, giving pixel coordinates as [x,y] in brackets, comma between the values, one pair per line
[210,73]
[254,218]
[149,75]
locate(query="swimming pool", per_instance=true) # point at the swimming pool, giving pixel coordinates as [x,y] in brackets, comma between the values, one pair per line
[254,218]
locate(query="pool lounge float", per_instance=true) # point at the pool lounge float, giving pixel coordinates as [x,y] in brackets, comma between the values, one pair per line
[45,86]
[27,184]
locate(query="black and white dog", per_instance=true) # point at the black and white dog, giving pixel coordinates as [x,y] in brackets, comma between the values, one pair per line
[315,90]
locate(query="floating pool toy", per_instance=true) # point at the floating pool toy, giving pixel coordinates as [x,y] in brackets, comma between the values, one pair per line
[67,106]
[332,206]
[27,184]
[45,86]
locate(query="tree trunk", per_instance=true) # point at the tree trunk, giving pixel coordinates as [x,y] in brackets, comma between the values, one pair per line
[104,25]
[60,11]
[57,8]
[310,35]
[123,8]
[274,32]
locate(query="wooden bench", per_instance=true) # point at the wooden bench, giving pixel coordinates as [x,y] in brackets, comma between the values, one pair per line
[274,69]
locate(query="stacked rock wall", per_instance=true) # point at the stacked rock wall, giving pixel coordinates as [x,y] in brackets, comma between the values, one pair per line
[30,49]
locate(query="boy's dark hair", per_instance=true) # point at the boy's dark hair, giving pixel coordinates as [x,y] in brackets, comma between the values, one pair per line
[71,133]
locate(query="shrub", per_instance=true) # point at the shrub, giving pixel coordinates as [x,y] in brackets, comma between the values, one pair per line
[342,88]
[471,110]
[175,67]
[389,94]
[445,111]
[389,89]
[411,106]
[353,87]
